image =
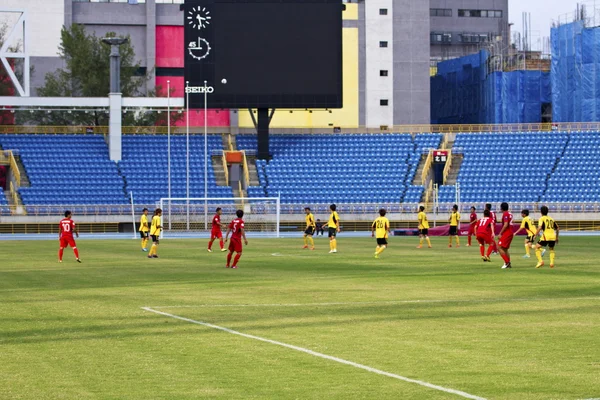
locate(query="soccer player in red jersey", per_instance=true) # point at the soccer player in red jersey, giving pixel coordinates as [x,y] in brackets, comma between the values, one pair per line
[488,206]
[506,235]
[236,227]
[216,231]
[65,236]
[472,224]
[484,230]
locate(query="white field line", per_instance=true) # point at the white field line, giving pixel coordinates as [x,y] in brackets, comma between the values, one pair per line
[320,355]
[358,303]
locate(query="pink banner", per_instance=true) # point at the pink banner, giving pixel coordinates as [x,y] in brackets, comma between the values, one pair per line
[445,229]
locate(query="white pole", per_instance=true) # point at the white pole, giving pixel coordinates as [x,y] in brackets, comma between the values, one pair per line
[169,146]
[278,212]
[187,154]
[205,156]
[132,213]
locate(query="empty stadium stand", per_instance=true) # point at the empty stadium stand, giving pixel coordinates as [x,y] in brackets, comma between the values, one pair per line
[577,174]
[75,169]
[522,167]
[505,166]
[67,169]
[144,167]
[343,168]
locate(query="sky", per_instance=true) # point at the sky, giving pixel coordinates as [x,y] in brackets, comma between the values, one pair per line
[542,14]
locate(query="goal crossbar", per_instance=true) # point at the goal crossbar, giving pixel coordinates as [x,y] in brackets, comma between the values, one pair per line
[194,214]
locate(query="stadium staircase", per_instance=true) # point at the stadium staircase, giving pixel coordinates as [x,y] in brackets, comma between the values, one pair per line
[457,160]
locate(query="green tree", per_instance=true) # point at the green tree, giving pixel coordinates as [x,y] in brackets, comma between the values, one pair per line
[87,74]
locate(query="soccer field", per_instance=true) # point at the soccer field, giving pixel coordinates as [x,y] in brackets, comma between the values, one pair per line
[297,324]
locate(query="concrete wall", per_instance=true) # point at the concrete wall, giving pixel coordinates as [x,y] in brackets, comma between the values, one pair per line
[379,28]
[411,62]
[457,25]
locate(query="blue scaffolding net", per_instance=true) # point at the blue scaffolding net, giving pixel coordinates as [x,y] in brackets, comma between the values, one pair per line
[463,92]
[575,73]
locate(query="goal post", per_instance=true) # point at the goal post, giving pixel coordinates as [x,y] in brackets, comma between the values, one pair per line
[193,215]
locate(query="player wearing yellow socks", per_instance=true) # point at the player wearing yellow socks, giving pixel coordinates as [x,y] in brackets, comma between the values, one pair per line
[310,230]
[155,229]
[333,227]
[528,225]
[454,221]
[423,228]
[144,228]
[549,230]
[380,229]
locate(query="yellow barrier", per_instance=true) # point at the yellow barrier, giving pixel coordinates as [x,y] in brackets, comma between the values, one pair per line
[14,168]
[427,167]
[448,166]
[230,142]
[224,159]
[16,201]
[246,170]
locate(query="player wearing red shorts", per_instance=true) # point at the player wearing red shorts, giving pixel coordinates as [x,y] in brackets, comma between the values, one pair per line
[488,206]
[236,227]
[472,224]
[216,231]
[65,236]
[484,231]
[506,235]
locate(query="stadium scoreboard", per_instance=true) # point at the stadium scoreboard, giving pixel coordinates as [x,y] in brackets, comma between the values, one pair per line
[264,53]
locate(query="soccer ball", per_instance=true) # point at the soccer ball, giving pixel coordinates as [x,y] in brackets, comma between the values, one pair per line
[223,81]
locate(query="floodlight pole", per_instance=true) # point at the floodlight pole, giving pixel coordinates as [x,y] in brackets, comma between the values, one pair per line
[115,98]
[169,147]
[187,153]
[205,155]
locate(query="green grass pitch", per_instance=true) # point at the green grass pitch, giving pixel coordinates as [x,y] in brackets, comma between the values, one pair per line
[441,316]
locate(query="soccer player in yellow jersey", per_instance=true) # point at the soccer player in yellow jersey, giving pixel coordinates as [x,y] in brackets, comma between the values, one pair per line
[454,221]
[549,230]
[310,229]
[423,228]
[333,227]
[155,229]
[528,225]
[144,228]
[380,229]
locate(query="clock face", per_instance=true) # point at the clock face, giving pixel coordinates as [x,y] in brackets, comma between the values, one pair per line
[199,17]
[200,49]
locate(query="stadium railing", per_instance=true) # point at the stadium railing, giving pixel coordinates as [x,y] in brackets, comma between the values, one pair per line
[356,209]
[425,128]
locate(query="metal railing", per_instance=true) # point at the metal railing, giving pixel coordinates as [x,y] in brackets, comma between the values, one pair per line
[424,128]
[124,210]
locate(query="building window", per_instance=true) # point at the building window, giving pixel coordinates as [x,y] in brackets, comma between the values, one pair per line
[474,37]
[383,72]
[383,11]
[383,102]
[441,38]
[480,13]
[383,43]
[440,12]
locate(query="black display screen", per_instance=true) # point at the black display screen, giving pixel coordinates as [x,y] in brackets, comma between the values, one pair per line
[272,54]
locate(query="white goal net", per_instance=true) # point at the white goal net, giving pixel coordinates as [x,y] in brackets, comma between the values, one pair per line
[194,215]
